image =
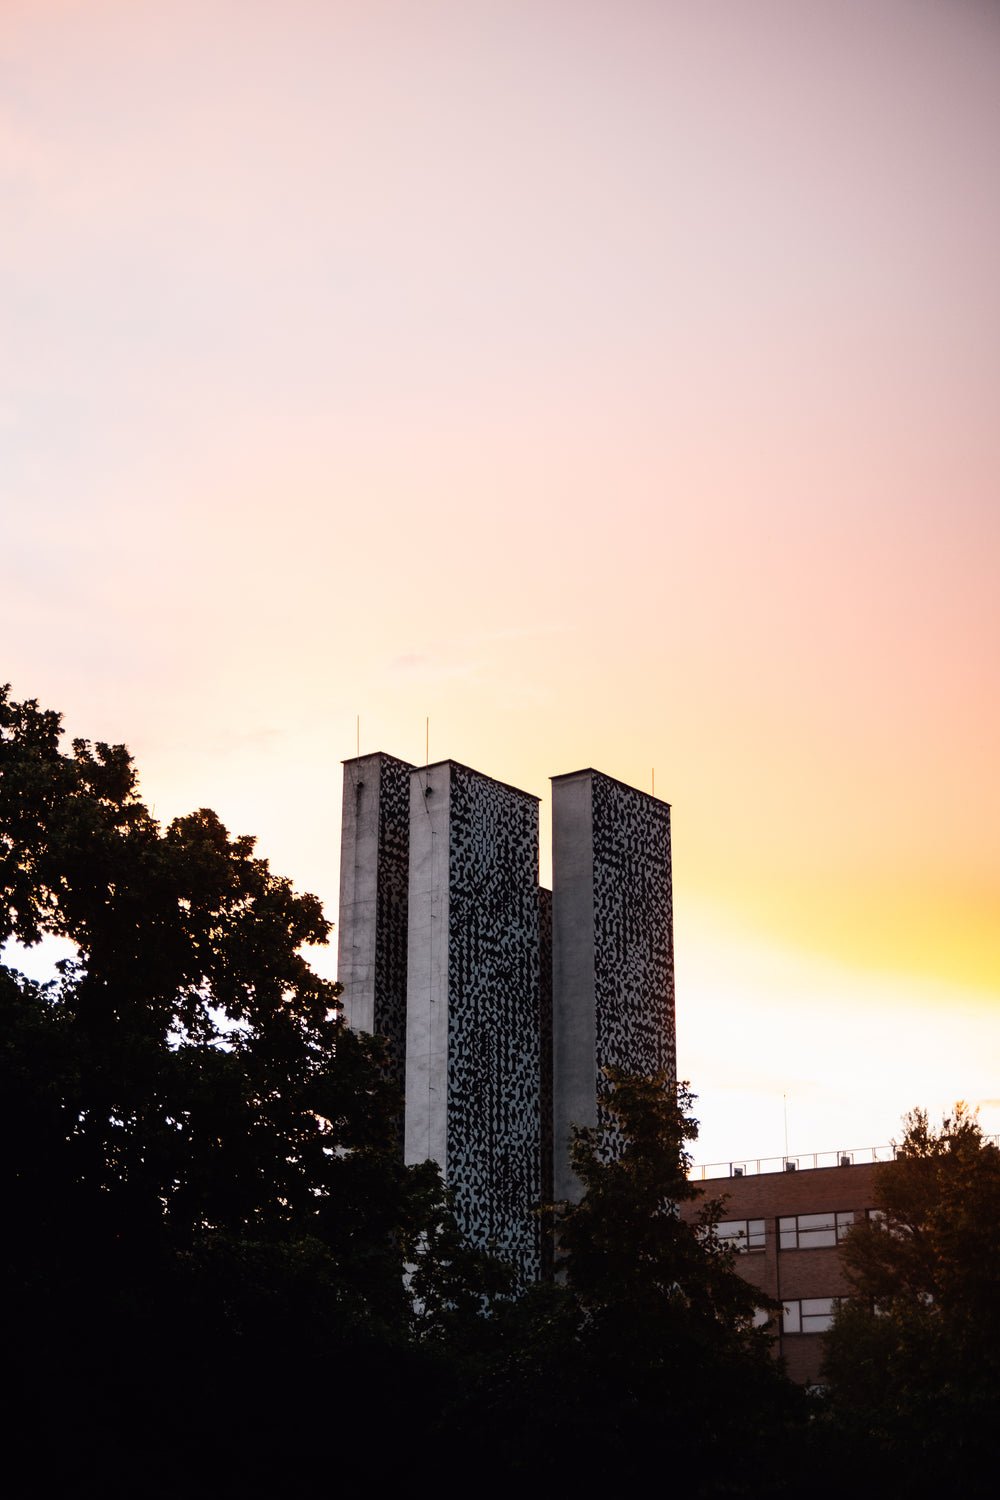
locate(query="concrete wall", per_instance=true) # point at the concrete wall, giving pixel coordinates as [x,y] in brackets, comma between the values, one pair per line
[545,1043]
[473,1009]
[574,1022]
[372,933]
[612,947]
[426,1134]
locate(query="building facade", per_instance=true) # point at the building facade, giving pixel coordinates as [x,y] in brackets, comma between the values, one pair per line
[612,946]
[787,1227]
[473,1007]
[503,1002]
[374,900]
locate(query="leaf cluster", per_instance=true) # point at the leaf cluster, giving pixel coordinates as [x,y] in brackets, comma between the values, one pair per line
[913,1359]
[934,1249]
[624,1247]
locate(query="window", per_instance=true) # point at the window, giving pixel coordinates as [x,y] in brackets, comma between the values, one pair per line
[809,1314]
[808,1231]
[742,1234]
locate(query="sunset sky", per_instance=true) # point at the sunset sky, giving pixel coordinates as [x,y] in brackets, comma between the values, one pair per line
[616,384]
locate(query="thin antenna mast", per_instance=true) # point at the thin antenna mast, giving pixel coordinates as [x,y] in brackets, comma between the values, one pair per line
[359,736]
[427,745]
[785,1098]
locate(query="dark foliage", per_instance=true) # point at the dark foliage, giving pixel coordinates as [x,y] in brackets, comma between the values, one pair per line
[644,1357]
[913,1360]
[209,1234]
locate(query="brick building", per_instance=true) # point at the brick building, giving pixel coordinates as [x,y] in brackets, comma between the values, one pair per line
[788,1225]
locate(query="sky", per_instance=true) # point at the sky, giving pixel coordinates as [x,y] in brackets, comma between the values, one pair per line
[614,385]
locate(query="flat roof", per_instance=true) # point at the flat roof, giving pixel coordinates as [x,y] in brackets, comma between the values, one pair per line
[592,771]
[352,760]
[435,764]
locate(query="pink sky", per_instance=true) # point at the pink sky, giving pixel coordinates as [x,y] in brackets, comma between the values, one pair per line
[616,384]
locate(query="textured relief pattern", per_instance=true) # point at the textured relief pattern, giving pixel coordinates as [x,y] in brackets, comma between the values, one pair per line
[633,937]
[493,1016]
[390,921]
[545,1080]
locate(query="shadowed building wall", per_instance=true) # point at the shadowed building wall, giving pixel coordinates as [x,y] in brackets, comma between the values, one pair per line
[374,890]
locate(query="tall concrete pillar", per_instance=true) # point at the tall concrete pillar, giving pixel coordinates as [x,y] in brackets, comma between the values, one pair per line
[612,947]
[374,888]
[473,1050]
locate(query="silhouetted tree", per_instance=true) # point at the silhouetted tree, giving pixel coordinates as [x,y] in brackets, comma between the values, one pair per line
[624,1249]
[201,1177]
[913,1358]
[645,1352]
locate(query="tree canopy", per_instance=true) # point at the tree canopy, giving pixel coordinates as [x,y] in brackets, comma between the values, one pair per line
[646,1347]
[913,1359]
[199,1076]
[624,1248]
[202,1181]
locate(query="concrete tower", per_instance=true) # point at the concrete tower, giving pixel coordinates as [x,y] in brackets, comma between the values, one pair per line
[612,947]
[501,1003]
[473,1006]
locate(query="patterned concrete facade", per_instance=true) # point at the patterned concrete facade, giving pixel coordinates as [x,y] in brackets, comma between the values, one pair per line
[374,894]
[504,1002]
[473,1016]
[612,946]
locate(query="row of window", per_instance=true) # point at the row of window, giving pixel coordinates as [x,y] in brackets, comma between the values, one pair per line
[742,1234]
[809,1314]
[803,1315]
[807,1231]
[795,1231]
